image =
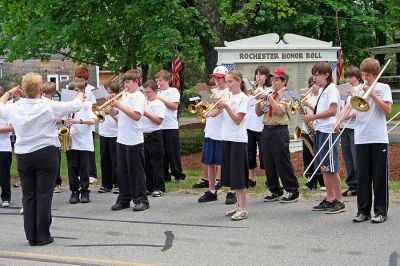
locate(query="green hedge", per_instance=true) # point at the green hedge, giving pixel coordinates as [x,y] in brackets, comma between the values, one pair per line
[191,140]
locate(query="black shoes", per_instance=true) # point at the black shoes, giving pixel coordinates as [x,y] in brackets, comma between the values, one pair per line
[290,197]
[349,192]
[120,206]
[85,196]
[274,196]
[141,206]
[104,190]
[230,198]
[41,243]
[322,206]
[218,184]
[74,198]
[208,196]
[336,207]
[252,183]
[202,183]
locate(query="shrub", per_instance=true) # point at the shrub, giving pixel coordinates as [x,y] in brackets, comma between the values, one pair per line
[191,140]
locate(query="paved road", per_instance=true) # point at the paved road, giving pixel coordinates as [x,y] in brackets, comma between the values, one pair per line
[176,230]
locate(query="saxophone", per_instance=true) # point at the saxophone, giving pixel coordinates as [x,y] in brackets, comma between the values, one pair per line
[64,135]
[310,128]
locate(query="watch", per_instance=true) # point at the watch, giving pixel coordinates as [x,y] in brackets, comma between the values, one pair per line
[80,121]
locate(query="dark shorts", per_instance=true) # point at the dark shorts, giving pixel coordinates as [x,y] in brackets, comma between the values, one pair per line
[234,167]
[331,162]
[212,152]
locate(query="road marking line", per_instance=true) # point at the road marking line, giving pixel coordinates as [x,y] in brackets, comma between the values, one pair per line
[72,259]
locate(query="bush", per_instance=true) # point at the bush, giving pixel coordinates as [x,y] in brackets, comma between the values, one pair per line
[191,140]
[188,93]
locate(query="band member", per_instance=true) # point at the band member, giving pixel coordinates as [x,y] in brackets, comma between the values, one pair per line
[353,77]
[371,139]
[234,164]
[170,128]
[48,92]
[309,105]
[254,123]
[275,141]
[212,145]
[34,121]
[324,118]
[83,73]
[153,147]
[5,159]
[130,150]
[81,146]
[108,132]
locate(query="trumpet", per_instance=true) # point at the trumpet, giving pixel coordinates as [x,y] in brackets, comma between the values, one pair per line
[213,109]
[103,110]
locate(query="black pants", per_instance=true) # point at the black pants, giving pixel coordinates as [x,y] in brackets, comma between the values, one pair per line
[252,143]
[153,154]
[37,171]
[172,154]
[92,159]
[5,166]
[276,156]
[108,162]
[58,177]
[131,175]
[307,158]
[349,157]
[78,166]
[372,174]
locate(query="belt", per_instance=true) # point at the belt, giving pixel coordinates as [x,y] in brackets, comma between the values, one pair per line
[275,126]
[151,134]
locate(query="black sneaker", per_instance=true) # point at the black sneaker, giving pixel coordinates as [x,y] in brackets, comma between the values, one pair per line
[202,183]
[361,218]
[208,196]
[274,196]
[104,190]
[322,206]
[120,206]
[252,183]
[218,184]
[74,198]
[141,206]
[230,198]
[85,196]
[336,207]
[290,197]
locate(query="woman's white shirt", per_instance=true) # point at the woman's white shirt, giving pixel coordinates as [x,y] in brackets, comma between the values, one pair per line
[230,131]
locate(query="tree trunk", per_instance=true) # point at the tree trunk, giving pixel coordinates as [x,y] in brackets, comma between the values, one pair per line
[210,56]
[380,40]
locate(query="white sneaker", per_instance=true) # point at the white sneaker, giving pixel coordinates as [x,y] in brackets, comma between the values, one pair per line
[92,180]
[5,204]
[21,211]
[322,188]
[240,215]
[232,212]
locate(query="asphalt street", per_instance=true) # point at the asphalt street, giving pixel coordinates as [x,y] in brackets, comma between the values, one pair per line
[177,230]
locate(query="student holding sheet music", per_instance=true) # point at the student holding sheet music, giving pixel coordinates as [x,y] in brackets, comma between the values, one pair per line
[275,141]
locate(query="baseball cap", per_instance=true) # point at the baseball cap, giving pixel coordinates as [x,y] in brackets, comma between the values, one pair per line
[219,72]
[280,73]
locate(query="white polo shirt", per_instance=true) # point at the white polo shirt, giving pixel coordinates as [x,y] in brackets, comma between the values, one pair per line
[157,108]
[171,116]
[230,131]
[130,132]
[81,134]
[328,96]
[213,128]
[370,126]
[34,122]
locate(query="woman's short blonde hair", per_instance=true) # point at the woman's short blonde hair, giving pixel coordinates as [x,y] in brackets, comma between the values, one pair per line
[32,84]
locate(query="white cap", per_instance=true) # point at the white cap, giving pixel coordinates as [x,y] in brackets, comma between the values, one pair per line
[219,72]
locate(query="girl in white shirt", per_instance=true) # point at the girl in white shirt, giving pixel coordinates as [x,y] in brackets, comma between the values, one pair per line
[254,124]
[36,148]
[130,149]
[234,165]
[78,157]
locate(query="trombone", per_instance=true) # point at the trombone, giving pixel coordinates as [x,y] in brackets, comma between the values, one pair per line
[103,110]
[393,127]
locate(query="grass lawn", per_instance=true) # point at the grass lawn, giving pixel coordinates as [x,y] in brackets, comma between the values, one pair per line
[395,110]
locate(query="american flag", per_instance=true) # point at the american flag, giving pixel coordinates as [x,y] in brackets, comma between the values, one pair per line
[176,68]
[340,64]
[230,67]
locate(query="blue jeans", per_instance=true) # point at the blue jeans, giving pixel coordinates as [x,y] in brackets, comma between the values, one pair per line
[349,157]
